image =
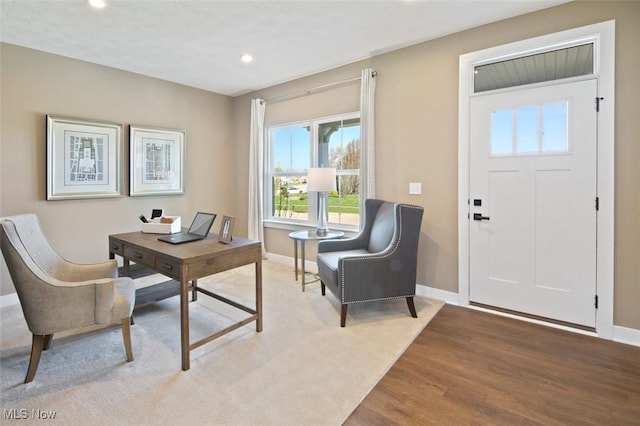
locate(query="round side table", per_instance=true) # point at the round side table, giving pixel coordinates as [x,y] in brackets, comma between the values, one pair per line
[304,236]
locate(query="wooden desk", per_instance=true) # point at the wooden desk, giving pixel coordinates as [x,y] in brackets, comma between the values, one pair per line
[188,262]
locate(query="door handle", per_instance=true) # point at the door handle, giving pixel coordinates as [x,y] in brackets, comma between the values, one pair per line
[478,216]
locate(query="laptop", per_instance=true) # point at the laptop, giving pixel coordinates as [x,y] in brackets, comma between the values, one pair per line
[197,231]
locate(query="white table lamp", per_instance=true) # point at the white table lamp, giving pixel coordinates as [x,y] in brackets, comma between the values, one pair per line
[321,180]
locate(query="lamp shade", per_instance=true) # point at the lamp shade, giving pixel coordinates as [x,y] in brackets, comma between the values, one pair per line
[321,179]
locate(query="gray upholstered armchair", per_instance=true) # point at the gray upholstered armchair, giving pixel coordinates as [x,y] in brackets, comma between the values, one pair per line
[379,263]
[58,295]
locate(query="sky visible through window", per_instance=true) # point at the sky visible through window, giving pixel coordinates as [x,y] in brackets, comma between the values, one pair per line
[292,146]
[291,149]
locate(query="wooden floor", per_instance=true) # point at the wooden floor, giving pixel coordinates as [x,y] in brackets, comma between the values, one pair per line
[470,367]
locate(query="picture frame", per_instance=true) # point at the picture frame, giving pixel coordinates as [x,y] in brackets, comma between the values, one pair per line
[84,158]
[226,229]
[156,161]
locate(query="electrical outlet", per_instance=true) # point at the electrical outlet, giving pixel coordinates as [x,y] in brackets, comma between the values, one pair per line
[415,188]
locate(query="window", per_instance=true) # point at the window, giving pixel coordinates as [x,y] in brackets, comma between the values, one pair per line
[536,129]
[294,148]
[557,64]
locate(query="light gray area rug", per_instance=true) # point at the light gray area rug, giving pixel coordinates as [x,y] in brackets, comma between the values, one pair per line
[302,369]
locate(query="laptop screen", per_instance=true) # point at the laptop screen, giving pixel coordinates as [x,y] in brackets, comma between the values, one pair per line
[202,223]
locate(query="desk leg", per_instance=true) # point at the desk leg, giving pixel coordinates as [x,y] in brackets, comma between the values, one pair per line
[303,261]
[194,290]
[184,319]
[295,257]
[259,295]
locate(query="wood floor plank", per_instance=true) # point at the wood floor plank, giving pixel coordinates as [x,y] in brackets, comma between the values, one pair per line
[472,367]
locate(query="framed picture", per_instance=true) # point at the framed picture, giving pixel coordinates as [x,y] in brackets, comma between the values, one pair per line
[156,161]
[84,159]
[226,229]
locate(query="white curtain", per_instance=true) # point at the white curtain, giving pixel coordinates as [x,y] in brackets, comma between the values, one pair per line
[256,172]
[367,135]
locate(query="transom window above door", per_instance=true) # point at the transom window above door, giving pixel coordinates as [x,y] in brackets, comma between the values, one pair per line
[573,61]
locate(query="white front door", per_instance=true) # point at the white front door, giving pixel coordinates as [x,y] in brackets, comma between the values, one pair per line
[532,236]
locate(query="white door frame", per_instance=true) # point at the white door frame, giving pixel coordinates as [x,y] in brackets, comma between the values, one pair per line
[604,59]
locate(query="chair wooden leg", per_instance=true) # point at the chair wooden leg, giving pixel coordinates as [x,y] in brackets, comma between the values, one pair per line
[412,307]
[48,338]
[37,344]
[322,288]
[126,337]
[343,314]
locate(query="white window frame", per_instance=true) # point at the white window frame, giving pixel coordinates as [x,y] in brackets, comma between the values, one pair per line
[271,221]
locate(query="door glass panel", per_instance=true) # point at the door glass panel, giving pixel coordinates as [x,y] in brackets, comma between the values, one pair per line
[527,129]
[502,132]
[535,129]
[554,131]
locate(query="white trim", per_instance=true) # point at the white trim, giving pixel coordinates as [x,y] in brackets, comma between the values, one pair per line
[271,221]
[629,336]
[565,43]
[9,300]
[534,321]
[436,293]
[604,32]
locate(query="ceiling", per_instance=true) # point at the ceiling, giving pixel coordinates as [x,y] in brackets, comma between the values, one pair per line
[199,43]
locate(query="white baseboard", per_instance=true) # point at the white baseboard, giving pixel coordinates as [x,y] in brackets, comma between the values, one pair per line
[9,300]
[629,336]
[436,293]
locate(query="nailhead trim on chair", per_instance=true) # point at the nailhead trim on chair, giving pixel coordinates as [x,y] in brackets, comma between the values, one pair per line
[356,258]
[380,298]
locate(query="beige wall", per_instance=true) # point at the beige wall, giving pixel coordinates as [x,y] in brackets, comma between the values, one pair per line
[34,84]
[416,134]
[416,127]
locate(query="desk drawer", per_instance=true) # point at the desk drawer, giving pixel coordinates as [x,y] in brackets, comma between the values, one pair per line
[167,267]
[224,262]
[139,256]
[115,248]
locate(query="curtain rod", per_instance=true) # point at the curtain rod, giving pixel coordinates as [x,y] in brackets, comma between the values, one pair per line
[312,90]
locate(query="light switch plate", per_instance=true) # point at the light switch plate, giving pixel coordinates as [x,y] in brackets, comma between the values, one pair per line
[415,188]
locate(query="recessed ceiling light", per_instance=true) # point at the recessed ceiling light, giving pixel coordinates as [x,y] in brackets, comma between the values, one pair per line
[246,58]
[98,4]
